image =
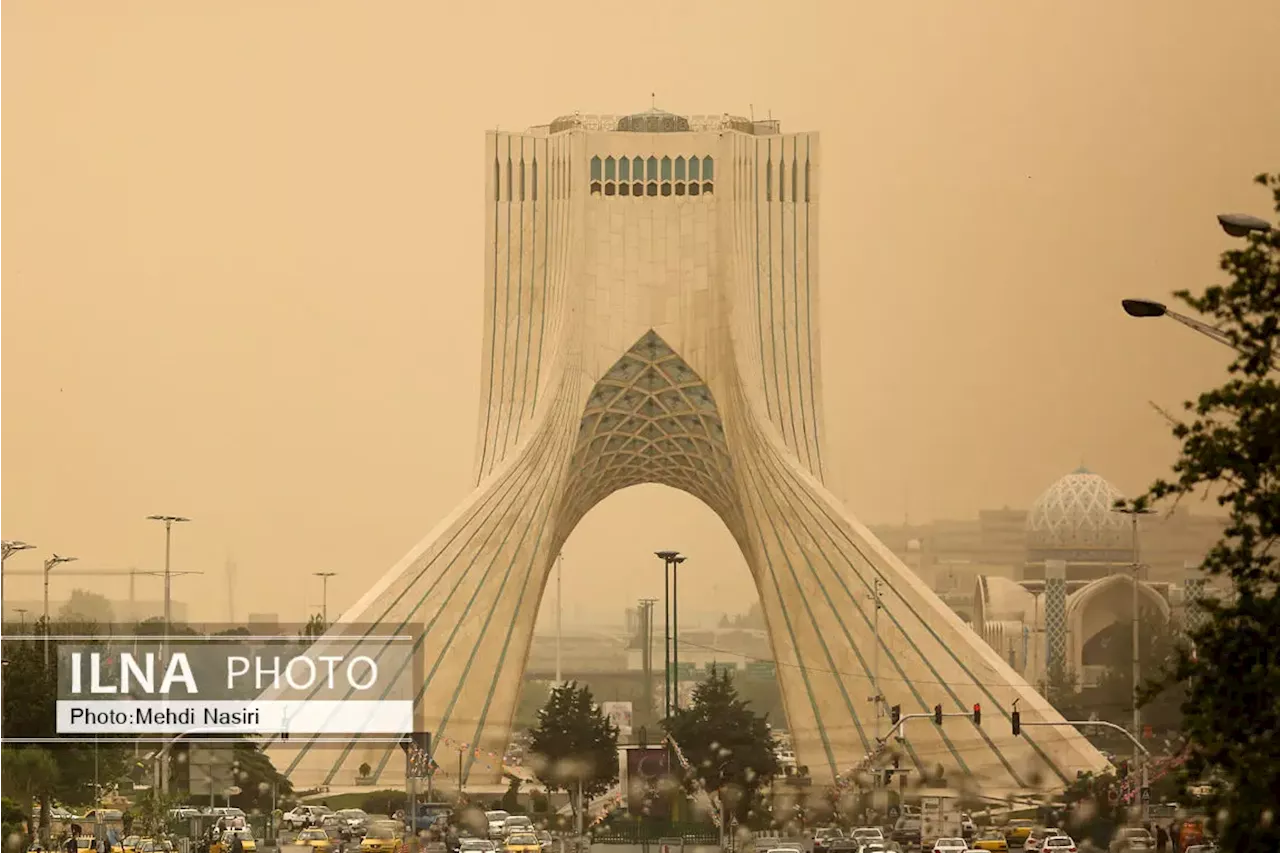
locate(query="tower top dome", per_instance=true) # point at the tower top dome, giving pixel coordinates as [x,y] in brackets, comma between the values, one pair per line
[653,121]
[1075,513]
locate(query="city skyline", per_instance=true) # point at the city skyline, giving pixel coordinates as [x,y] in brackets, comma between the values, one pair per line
[199,325]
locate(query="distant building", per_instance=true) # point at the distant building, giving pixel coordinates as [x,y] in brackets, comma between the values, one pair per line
[992,570]
[263,624]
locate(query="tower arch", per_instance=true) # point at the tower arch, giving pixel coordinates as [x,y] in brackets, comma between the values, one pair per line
[675,341]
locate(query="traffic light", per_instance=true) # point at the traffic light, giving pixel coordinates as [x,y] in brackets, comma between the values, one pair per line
[977,714]
[1122,772]
[1017,723]
[888,778]
[937,714]
[895,714]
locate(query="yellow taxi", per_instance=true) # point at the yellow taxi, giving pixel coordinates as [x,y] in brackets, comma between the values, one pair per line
[223,844]
[130,844]
[315,838]
[522,842]
[1017,831]
[382,839]
[992,840]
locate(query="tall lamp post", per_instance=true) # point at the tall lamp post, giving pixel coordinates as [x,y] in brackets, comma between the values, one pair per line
[1235,224]
[671,655]
[324,595]
[49,565]
[1134,514]
[11,547]
[169,521]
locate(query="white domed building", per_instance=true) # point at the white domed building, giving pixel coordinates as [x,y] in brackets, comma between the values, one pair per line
[1077,586]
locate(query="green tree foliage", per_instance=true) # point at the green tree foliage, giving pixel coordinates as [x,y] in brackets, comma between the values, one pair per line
[28,774]
[729,746]
[87,606]
[574,741]
[1231,447]
[259,782]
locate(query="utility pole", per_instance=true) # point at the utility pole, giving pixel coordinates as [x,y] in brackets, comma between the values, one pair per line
[7,550]
[49,565]
[559,617]
[646,653]
[878,698]
[324,595]
[169,521]
[1134,514]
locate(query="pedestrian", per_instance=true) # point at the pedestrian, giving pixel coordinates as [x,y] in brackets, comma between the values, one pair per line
[69,846]
[237,846]
[1162,839]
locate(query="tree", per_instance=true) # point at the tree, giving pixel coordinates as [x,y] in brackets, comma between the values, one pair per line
[314,629]
[574,743]
[87,606]
[1231,448]
[259,782]
[28,774]
[729,746]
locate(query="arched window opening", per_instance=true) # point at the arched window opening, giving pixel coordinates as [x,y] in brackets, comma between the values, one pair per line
[806,181]
[595,188]
[595,168]
[497,180]
[637,169]
[680,173]
[522,180]
[610,188]
[624,169]
[666,168]
[693,188]
[679,187]
[653,169]
[666,188]
[624,189]
[695,171]
[510,187]
[534,185]
[708,188]
[768,181]
[708,169]
[637,189]
[651,189]
[610,169]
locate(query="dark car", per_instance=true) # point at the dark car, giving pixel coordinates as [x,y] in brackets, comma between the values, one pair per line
[843,845]
[824,838]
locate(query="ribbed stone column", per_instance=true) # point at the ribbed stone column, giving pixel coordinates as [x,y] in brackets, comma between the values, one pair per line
[1055,615]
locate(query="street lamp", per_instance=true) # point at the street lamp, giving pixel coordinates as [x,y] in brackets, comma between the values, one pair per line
[49,564]
[11,547]
[1235,224]
[169,521]
[1134,514]
[324,595]
[671,657]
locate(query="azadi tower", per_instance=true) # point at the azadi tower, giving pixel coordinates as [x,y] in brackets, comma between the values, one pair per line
[652,316]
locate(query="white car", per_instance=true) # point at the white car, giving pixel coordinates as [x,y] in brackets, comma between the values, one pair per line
[497,820]
[950,845]
[517,823]
[1038,837]
[1058,844]
[864,834]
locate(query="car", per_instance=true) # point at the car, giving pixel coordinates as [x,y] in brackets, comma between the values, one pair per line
[381,838]
[1016,832]
[991,840]
[1132,838]
[1036,839]
[497,822]
[301,817]
[949,845]
[522,842]
[545,839]
[357,820]
[867,833]
[130,843]
[223,844]
[517,823]
[476,845]
[907,830]
[1058,844]
[315,838]
[823,837]
[841,845]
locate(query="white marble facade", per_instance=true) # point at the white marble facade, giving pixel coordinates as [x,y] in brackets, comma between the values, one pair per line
[674,339]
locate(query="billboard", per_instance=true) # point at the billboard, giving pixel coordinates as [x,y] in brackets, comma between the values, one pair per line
[620,714]
[646,768]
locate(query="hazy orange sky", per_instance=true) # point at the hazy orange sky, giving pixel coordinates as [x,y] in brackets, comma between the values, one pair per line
[242,258]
